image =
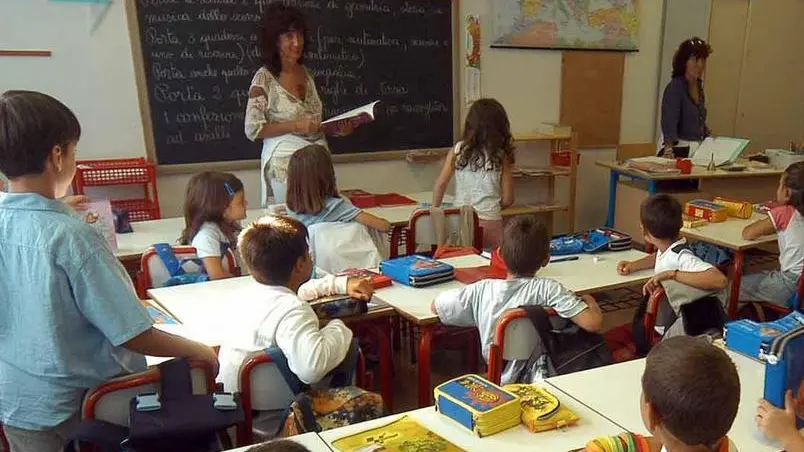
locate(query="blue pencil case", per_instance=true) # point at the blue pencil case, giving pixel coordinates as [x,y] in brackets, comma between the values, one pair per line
[754,339]
[784,369]
[417,271]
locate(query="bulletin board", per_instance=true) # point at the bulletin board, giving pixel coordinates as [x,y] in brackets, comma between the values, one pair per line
[591,96]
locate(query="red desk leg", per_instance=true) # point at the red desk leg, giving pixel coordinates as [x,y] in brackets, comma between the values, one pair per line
[736,276]
[384,345]
[425,343]
[396,325]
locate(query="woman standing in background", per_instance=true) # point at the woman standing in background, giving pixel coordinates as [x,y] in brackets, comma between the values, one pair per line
[283,110]
[684,102]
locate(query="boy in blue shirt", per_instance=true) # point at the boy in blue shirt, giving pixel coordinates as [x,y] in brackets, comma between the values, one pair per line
[70,318]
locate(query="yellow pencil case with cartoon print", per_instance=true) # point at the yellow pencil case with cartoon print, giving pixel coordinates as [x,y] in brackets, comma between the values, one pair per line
[541,410]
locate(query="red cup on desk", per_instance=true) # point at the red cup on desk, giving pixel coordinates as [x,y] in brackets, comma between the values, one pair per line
[685,165]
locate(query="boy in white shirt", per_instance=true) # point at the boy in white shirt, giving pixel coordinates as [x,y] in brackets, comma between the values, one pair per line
[661,220]
[525,249]
[274,250]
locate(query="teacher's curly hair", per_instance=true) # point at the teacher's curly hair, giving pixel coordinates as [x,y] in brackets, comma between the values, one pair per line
[277,20]
[694,47]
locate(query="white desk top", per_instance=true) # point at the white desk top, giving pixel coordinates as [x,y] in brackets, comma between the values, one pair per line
[309,440]
[582,276]
[729,233]
[614,391]
[591,425]
[166,230]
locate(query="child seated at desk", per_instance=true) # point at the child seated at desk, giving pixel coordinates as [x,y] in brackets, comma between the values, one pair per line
[482,163]
[786,220]
[213,206]
[525,249]
[313,196]
[70,317]
[274,250]
[661,221]
[690,396]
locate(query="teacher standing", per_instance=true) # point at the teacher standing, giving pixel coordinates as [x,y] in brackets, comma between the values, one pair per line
[684,102]
[284,110]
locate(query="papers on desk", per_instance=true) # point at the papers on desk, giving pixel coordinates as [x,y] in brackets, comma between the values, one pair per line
[722,150]
[656,165]
[396,436]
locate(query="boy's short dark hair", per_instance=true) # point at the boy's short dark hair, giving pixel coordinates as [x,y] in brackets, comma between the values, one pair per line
[525,245]
[270,248]
[31,125]
[661,216]
[694,389]
[279,445]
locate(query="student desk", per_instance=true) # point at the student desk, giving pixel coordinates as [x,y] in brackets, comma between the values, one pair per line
[130,246]
[309,440]
[729,234]
[208,313]
[582,276]
[753,184]
[518,438]
[614,391]
[399,216]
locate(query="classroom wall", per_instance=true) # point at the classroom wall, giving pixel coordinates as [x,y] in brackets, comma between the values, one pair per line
[754,87]
[92,71]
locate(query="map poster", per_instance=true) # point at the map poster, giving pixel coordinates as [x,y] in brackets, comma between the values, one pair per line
[566,24]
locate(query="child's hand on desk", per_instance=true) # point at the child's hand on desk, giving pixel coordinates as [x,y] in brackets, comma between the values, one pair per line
[778,425]
[625,268]
[360,288]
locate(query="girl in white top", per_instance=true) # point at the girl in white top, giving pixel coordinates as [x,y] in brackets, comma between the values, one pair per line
[786,221]
[482,163]
[283,109]
[213,207]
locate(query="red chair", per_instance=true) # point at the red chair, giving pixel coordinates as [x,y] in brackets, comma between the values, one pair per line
[421,229]
[3,440]
[514,338]
[110,401]
[649,321]
[795,302]
[263,388]
[153,272]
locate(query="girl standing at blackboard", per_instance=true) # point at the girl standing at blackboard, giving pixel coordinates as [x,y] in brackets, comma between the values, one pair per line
[482,163]
[284,110]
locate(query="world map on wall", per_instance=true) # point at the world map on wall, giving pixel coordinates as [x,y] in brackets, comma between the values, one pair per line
[566,24]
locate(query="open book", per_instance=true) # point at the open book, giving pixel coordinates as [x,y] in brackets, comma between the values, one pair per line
[358,116]
[722,150]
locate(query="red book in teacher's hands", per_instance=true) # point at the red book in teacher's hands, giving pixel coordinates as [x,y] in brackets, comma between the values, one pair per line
[357,117]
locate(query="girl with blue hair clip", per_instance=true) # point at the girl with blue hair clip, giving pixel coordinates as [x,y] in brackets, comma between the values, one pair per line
[213,207]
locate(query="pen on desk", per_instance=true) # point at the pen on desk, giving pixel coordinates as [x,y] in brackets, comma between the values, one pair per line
[553,260]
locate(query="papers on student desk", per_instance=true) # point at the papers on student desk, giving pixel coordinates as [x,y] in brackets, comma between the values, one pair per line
[358,116]
[723,149]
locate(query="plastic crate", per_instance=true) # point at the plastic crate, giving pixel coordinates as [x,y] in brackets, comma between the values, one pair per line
[113,172]
[138,209]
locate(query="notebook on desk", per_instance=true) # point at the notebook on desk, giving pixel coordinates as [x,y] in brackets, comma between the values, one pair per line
[721,150]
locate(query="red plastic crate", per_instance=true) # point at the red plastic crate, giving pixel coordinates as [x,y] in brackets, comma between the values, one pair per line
[113,172]
[138,209]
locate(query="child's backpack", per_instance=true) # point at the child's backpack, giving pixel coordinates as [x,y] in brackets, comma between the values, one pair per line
[174,420]
[563,348]
[178,274]
[316,410]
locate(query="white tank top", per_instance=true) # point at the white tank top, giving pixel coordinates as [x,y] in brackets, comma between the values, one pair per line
[480,189]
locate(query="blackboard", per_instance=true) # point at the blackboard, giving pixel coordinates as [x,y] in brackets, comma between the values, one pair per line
[196,59]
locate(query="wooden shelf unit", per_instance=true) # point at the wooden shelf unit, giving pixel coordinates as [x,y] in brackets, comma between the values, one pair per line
[552,171]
